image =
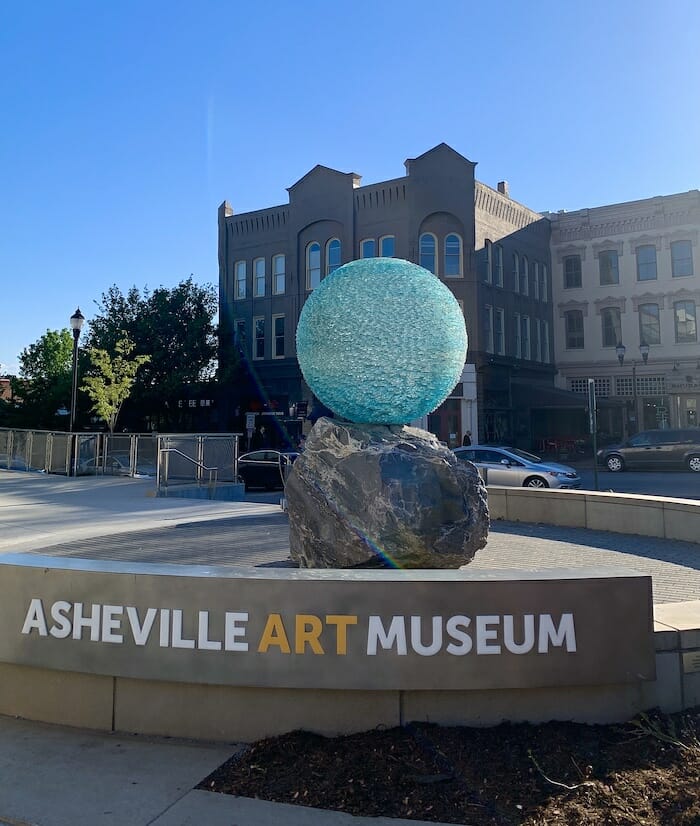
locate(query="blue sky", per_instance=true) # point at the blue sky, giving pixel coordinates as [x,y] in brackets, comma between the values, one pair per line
[126,124]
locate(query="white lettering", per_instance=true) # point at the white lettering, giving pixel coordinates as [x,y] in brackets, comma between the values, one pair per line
[484,634]
[81,621]
[140,632]
[62,626]
[203,640]
[164,627]
[35,618]
[396,635]
[557,636]
[417,642]
[528,630]
[110,623]
[178,641]
[232,631]
[454,624]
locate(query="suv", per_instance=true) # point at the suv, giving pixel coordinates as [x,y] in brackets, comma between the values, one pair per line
[655,449]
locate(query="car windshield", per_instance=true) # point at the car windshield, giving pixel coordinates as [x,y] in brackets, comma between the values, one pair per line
[523,454]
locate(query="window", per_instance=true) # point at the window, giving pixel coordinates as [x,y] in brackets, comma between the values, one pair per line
[611,325]
[488,261]
[545,342]
[313,265]
[537,341]
[572,272]
[602,386]
[498,265]
[368,248]
[453,256]
[516,272]
[649,324]
[646,263]
[518,343]
[498,332]
[573,327]
[278,274]
[333,259]
[681,259]
[259,277]
[525,336]
[609,267]
[524,276]
[544,283]
[239,335]
[240,277]
[427,247]
[259,327]
[488,329]
[387,246]
[685,321]
[278,333]
[536,280]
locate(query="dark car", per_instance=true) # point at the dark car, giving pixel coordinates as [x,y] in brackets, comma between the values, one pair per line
[667,449]
[265,468]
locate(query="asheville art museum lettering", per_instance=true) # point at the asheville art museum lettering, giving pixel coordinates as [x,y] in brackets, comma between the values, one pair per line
[457,635]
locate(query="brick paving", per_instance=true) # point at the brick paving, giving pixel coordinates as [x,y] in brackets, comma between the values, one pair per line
[263,541]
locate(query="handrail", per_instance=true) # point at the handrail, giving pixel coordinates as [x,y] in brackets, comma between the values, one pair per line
[211,470]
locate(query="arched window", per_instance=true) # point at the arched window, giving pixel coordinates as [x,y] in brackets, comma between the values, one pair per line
[487,262]
[498,265]
[278,274]
[426,256]
[453,255]
[313,265]
[387,246]
[368,248]
[524,276]
[333,259]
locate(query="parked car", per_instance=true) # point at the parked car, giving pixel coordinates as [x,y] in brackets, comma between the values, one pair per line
[514,467]
[265,468]
[668,449]
[116,464]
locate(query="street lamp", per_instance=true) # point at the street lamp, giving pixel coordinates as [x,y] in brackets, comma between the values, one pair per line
[620,351]
[76,322]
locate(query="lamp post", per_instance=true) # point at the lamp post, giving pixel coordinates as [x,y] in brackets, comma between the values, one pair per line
[76,322]
[620,351]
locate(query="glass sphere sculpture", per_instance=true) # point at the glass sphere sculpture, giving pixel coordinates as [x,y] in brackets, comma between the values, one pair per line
[381,341]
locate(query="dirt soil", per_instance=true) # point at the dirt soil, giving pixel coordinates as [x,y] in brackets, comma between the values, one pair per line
[643,772]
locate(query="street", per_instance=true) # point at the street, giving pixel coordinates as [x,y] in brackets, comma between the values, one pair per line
[682,484]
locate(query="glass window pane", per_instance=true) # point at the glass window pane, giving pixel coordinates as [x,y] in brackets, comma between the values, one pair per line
[572,271]
[609,268]
[278,268]
[646,263]
[649,324]
[313,265]
[367,248]
[681,259]
[573,321]
[427,252]
[685,319]
[453,255]
[333,259]
[387,246]
[612,334]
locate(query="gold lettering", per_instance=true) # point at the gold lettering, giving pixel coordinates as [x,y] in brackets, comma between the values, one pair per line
[341,621]
[274,634]
[307,630]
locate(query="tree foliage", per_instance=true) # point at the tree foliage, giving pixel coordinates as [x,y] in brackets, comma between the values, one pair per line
[175,328]
[114,379]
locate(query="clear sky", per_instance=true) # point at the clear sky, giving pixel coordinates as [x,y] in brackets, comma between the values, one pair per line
[126,124]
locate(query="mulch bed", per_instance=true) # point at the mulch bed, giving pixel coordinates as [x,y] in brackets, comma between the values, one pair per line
[643,772]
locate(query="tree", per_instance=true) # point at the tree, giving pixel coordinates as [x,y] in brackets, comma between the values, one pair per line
[45,378]
[175,328]
[115,378]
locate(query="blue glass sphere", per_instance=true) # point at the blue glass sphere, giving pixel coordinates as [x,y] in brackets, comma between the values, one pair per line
[382,341]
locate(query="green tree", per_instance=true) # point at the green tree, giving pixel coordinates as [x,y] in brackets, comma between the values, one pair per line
[114,379]
[44,382]
[175,327]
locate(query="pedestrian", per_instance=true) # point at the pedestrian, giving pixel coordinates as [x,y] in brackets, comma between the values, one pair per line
[467,440]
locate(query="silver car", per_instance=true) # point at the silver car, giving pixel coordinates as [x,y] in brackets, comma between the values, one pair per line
[514,467]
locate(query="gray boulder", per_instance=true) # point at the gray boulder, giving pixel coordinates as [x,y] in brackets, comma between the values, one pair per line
[366,495]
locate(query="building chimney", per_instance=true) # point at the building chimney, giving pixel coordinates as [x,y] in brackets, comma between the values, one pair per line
[503,188]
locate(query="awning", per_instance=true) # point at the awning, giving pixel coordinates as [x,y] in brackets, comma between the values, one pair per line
[544,396]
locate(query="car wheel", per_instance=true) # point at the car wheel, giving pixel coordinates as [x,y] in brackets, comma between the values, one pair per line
[694,463]
[614,464]
[535,482]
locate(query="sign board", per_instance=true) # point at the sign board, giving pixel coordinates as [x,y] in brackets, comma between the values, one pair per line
[250,421]
[327,629]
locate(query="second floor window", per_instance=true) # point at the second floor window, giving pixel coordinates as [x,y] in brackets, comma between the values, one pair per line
[313,265]
[573,329]
[524,276]
[681,259]
[498,332]
[572,272]
[259,344]
[333,258]
[368,248]
[609,267]
[498,265]
[278,333]
[516,272]
[536,281]
[684,313]
[259,277]
[649,324]
[426,252]
[239,279]
[278,274]
[611,324]
[646,263]
[387,246]
[525,336]
[453,255]
[516,330]
[544,283]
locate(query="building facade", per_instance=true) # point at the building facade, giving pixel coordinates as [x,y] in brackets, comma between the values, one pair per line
[626,291]
[490,251]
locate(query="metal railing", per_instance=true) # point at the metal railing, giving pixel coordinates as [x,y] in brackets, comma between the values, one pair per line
[162,474]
